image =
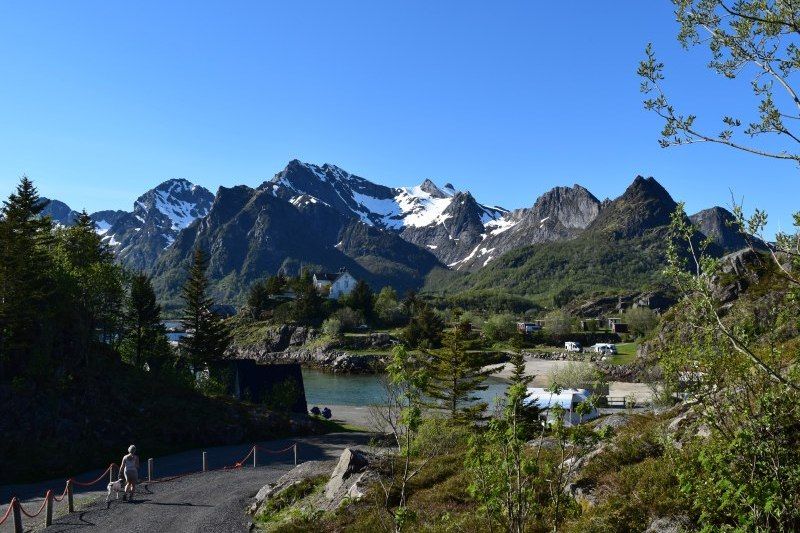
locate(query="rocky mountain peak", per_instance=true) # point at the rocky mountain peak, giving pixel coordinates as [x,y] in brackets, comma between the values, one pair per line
[719,224]
[431,188]
[645,204]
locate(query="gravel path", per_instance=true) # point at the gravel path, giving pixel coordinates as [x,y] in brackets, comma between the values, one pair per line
[210,502]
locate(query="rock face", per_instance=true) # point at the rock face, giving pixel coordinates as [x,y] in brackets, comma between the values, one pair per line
[644,205]
[59,212]
[718,224]
[560,214]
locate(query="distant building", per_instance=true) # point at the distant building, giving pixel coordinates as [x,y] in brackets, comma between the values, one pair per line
[567,399]
[334,285]
[528,327]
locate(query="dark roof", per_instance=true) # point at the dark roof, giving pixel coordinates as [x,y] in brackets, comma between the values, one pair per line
[326,276]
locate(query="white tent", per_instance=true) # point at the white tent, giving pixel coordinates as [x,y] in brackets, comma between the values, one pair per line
[568,399]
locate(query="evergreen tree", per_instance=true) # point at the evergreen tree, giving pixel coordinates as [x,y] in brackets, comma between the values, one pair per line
[143,316]
[208,336]
[456,375]
[26,283]
[361,299]
[307,306]
[95,282]
[425,328]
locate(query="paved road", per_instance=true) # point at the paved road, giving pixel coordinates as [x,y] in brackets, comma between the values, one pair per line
[210,502]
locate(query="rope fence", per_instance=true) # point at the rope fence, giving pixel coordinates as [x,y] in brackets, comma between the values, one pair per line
[16,510]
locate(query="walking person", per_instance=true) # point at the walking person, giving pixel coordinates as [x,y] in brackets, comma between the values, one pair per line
[130,466]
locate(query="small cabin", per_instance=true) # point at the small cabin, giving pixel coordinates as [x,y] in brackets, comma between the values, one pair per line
[567,399]
[527,328]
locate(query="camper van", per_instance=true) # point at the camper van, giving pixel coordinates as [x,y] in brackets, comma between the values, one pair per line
[572,346]
[605,348]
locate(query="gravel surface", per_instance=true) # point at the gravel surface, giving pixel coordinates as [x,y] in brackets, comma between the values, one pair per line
[210,502]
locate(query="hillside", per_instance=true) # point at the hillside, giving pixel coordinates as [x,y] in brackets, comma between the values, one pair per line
[622,250]
[90,419]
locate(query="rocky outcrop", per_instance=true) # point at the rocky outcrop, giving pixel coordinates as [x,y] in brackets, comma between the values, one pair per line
[738,271]
[719,225]
[347,480]
[296,344]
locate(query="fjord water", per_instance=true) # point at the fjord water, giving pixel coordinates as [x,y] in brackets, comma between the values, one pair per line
[324,388]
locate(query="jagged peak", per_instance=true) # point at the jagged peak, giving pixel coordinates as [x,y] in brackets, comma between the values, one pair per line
[646,188]
[431,188]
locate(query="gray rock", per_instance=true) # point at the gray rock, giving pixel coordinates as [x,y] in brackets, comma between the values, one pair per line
[350,462]
[669,524]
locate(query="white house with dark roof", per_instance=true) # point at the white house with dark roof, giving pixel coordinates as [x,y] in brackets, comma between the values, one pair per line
[334,285]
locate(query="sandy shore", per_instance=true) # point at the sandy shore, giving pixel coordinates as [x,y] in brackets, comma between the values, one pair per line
[352,415]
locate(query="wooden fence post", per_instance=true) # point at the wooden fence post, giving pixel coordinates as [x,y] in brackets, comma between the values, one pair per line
[150,469]
[48,520]
[17,515]
[70,502]
[255,456]
[295,454]
[205,462]
[111,473]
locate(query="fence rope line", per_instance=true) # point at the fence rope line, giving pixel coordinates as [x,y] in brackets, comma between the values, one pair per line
[37,513]
[90,483]
[50,494]
[8,511]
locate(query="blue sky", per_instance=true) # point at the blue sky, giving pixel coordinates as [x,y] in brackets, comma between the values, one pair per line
[101,101]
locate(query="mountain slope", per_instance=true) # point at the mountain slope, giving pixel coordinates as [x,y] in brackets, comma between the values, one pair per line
[560,214]
[252,233]
[158,216]
[60,212]
[719,224]
[446,221]
[622,249]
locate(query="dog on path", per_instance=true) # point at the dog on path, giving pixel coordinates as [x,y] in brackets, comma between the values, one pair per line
[116,487]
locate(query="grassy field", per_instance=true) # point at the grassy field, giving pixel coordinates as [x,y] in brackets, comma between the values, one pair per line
[626,353]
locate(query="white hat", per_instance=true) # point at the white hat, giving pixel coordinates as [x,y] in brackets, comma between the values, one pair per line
[131,449]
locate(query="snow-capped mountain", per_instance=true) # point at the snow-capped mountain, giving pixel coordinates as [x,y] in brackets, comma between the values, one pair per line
[559,214]
[158,216]
[443,220]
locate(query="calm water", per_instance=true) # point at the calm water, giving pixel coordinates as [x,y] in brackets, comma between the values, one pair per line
[323,388]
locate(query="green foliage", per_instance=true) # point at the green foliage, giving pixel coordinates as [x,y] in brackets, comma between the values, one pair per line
[500,327]
[332,327]
[455,375]
[208,336]
[277,509]
[425,328]
[641,320]
[558,322]
[361,299]
[576,375]
[348,318]
[145,340]
[388,309]
[594,263]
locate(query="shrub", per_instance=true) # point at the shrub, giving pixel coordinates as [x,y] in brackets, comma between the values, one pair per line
[499,327]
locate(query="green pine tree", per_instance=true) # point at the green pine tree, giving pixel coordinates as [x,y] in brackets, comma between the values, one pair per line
[456,375]
[26,281]
[145,330]
[208,336]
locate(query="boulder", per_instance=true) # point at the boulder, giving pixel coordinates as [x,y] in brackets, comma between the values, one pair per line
[351,462]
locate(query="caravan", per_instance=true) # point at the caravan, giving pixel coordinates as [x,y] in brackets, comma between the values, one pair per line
[573,346]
